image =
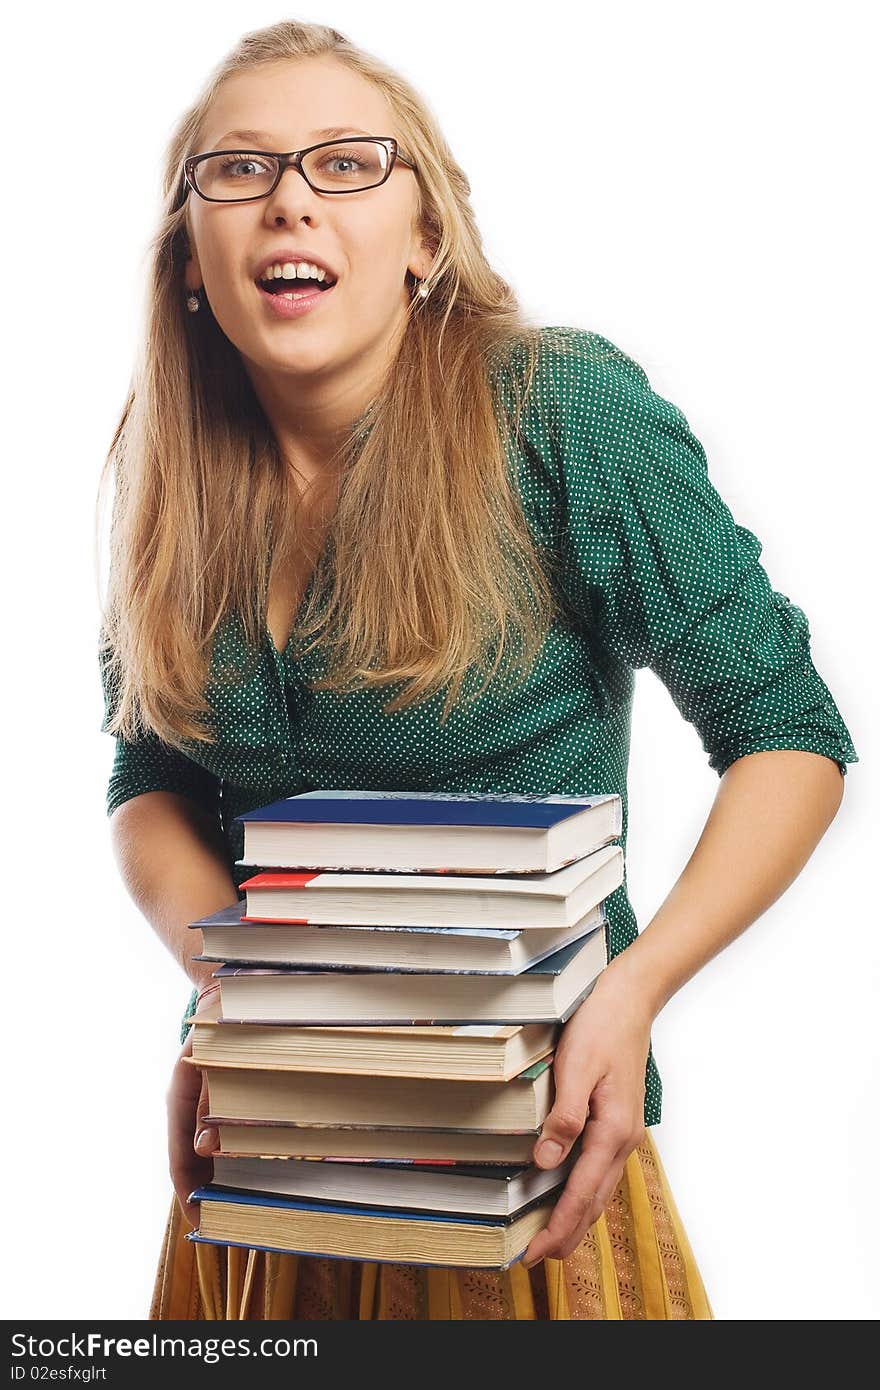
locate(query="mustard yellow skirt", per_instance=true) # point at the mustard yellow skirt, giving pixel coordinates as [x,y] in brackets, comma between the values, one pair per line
[635,1263]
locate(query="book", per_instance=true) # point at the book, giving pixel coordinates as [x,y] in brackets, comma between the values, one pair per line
[473,1052]
[228,937]
[551,900]
[276,1140]
[295,1226]
[379,1061]
[518,1106]
[460,1187]
[548,992]
[448,831]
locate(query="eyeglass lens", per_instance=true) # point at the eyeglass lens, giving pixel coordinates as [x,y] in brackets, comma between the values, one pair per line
[231,175]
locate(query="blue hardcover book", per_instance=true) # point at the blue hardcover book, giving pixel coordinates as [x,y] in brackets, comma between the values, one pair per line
[441,832]
[382,1234]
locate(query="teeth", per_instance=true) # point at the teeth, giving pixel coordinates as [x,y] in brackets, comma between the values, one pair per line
[294,270]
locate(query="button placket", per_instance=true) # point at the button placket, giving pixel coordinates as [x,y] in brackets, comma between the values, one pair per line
[285,695]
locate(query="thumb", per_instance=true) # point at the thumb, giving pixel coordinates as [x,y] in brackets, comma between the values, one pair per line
[566,1119]
[207,1136]
[206,1141]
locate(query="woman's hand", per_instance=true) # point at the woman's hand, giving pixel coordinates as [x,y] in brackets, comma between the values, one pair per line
[189,1140]
[599,1074]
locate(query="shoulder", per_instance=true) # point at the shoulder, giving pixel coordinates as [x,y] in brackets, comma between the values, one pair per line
[577,380]
[585,380]
[568,356]
[593,416]
[581,358]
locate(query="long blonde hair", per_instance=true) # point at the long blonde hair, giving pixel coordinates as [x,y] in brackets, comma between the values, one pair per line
[201,499]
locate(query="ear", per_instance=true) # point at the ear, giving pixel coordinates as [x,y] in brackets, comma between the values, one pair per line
[420,259]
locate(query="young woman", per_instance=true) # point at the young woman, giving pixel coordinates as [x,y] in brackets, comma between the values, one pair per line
[373,529]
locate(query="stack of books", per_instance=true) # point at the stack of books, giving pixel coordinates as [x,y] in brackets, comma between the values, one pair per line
[391,994]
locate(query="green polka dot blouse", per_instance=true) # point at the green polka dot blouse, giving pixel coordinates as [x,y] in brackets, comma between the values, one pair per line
[654,572]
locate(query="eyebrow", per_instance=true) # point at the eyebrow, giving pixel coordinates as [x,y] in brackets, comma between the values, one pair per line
[260,136]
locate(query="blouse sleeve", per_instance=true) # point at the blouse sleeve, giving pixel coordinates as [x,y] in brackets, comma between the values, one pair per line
[149,765]
[670,579]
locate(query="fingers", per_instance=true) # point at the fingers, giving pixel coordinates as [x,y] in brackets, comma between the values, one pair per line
[590,1186]
[588,1178]
[567,1118]
[207,1136]
[188,1170]
[562,1238]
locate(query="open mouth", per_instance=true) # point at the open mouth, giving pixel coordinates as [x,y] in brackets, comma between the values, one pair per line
[295,287]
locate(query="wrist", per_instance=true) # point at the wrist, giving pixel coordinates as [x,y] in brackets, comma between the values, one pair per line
[630,977]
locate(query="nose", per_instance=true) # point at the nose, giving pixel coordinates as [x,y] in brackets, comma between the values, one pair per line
[293,196]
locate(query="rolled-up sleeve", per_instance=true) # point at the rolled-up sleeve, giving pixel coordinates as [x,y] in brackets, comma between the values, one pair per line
[672,581]
[146,764]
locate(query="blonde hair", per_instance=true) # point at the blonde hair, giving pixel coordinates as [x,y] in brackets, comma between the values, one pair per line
[201,500]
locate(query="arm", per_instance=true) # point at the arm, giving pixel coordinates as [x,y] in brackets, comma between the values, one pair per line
[671,581]
[164,811]
[174,862]
[175,865]
[770,811]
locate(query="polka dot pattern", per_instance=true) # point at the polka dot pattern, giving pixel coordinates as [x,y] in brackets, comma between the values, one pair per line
[653,572]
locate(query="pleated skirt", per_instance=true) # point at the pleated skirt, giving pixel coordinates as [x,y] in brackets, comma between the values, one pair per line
[634,1263]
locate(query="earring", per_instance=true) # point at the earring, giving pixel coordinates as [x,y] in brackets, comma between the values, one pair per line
[421,289]
[192,302]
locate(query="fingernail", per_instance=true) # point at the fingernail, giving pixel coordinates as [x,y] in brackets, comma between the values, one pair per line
[549,1152]
[202,1138]
[530,1264]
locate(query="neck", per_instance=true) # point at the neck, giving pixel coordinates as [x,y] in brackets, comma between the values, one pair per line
[311,415]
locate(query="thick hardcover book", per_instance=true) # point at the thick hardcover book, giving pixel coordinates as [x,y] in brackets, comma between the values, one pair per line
[265,1094]
[498,1190]
[548,992]
[366,1233]
[251,1138]
[471,1052]
[230,937]
[448,832]
[530,901]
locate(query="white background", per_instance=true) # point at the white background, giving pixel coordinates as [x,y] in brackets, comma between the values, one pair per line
[694,185]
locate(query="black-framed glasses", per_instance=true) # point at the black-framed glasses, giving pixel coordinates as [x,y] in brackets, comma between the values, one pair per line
[334,166]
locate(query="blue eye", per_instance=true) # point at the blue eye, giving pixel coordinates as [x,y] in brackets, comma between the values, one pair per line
[228,164]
